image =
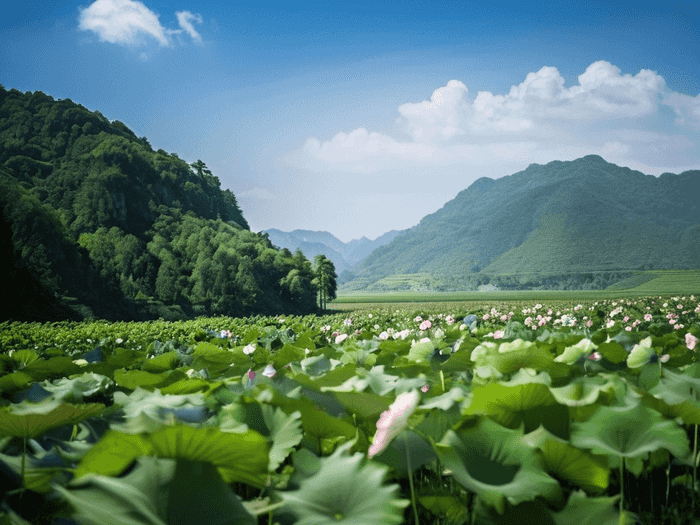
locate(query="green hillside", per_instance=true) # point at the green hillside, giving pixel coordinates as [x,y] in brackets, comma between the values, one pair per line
[566,221]
[97,223]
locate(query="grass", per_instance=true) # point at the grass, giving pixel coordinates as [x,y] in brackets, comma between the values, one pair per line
[654,282]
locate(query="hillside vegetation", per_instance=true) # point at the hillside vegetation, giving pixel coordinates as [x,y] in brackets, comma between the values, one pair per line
[97,223]
[582,223]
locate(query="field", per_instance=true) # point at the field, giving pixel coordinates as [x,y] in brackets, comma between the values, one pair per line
[487,408]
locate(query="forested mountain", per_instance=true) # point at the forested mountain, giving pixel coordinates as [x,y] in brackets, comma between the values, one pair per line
[345,256]
[97,223]
[563,218]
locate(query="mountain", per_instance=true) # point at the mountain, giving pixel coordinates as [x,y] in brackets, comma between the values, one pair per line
[562,218]
[95,223]
[345,256]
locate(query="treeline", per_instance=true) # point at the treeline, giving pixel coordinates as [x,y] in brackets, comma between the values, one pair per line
[95,223]
[568,281]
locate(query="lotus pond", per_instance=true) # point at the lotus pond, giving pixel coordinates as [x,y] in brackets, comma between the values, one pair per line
[490,414]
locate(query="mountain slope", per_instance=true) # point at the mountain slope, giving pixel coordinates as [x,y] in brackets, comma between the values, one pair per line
[97,223]
[579,216]
[345,256]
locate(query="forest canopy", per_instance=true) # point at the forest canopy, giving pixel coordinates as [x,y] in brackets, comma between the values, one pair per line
[95,223]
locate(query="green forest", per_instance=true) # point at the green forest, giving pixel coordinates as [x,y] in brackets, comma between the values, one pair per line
[96,224]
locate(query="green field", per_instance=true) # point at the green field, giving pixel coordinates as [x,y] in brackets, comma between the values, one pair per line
[653,282]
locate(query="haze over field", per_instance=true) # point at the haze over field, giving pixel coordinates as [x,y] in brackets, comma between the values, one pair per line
[363,118]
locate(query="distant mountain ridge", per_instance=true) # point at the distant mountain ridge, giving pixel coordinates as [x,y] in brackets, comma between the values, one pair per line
[345,256]
[585,215]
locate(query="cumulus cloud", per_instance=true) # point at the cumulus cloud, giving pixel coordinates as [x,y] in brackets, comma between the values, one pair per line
[537,118]
[686,108]
[126,22]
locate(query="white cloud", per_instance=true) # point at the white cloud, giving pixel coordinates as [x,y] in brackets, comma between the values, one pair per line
[538,120]
[185,19]
[686,108]
[125,22]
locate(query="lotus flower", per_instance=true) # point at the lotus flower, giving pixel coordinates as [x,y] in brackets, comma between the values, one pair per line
[393,421]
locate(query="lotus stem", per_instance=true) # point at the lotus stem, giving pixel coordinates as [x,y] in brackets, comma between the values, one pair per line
[442,380]
[695,464]
[622,489]
[410,482]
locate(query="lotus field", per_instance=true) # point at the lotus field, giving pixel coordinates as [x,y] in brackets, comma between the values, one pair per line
[521,413]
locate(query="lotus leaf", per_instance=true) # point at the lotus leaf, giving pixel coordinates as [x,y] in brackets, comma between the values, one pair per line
[344,490]
[630,432]
[489,460]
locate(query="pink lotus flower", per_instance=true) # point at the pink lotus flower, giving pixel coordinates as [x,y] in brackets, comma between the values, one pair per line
[425,388]
[425,325]
[251,375]
[393,421]
[269,371]
[690,341]
[498,334]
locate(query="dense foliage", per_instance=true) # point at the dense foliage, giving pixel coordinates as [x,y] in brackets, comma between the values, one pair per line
[549,225]
[96,223]
[506,413]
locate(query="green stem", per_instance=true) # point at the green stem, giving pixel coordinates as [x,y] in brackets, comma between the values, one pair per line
[622,488]
[410,482]
[695,464]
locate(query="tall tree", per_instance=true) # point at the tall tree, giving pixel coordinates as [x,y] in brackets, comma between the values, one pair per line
[325,280]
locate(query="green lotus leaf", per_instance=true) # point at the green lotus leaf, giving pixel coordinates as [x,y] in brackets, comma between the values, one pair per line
[448,506]
[613,352]
[285,432]
[335,377]
[421,351]
[135,499]
[630,432]
[198,494]
[582,510]
[24,357]
[641,354]
[32,420]
[510,406]
[688,411]
[161,363]
[157,491]
[394,455]
[187,386]
[288,354]
[366,405]
[74,390]
[319,426]
[489,460]
[147,411]
[346,491]
[240,457]
[15,381]
[674,388]
[132,379]
[572,353]
[455,395]
[583,391]
[579,467]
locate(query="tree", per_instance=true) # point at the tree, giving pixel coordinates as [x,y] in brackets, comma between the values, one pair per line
[324,280]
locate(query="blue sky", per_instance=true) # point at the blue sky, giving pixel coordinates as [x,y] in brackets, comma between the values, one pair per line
[362,117]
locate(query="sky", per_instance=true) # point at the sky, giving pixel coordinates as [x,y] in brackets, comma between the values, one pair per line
[362,117]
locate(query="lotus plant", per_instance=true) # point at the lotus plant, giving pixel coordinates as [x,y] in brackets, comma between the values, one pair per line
[391,423]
